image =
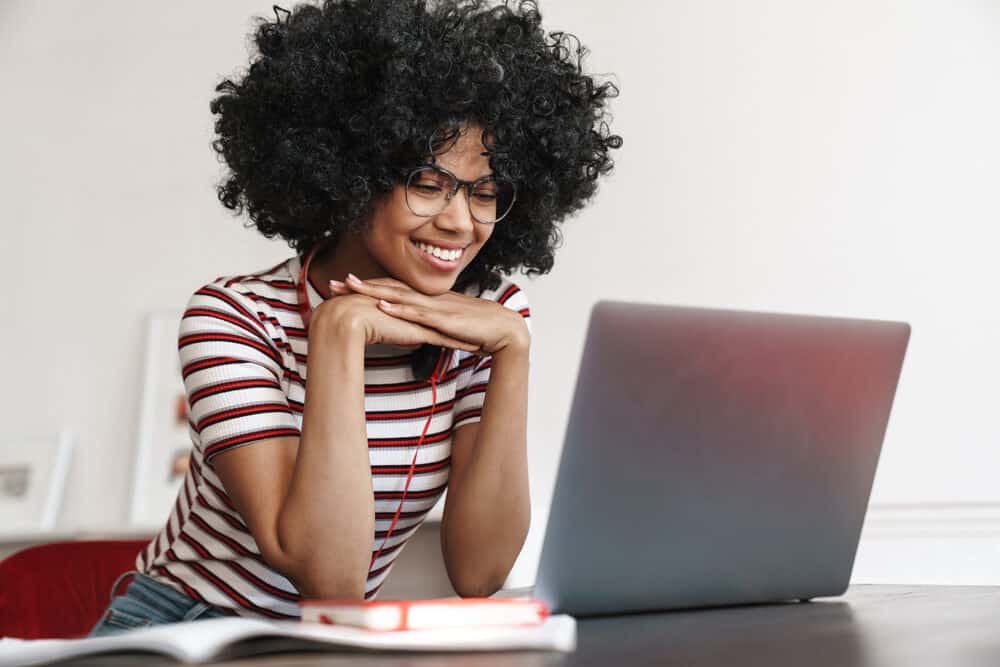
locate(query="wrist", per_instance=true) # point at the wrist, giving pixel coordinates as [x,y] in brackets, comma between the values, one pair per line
[516,348]
[517,340]
[335,322]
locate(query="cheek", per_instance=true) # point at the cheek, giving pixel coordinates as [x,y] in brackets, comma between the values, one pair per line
[482,239]
[483,234]
[390,231]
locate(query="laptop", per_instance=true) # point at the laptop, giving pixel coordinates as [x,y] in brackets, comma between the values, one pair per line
[716,458]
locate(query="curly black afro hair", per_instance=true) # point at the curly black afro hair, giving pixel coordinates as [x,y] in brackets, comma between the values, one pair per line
[344,96]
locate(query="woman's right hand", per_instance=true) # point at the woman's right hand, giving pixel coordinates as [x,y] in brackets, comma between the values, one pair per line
[380,327]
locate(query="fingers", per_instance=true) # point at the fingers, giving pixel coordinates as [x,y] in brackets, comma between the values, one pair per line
[400,301]
[378,288]
[436,337]
[432,335]
[390,282]
[426,316]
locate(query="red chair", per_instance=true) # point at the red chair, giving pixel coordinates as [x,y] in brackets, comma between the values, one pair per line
[60,590]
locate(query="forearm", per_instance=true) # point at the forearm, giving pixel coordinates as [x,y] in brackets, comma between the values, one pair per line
[326,524]
[487,516]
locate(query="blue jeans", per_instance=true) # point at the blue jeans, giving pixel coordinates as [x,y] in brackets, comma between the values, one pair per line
[148,602]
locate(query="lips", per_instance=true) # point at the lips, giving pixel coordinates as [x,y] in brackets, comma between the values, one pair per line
[444,265]
[443,245]
[449,254]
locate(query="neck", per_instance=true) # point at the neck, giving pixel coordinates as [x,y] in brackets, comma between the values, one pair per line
[334,261]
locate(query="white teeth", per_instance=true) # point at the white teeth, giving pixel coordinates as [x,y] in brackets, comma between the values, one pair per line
[440,253]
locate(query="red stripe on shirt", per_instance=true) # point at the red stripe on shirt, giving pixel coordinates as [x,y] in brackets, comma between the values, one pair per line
[223,415]
[222,387]
[215,337]
[244,438]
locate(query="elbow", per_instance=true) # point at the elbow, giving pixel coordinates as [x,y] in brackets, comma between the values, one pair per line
[319,581]
[314,579]
[477,586]
[479,572]
[476,591]
[318,570]
[327,588]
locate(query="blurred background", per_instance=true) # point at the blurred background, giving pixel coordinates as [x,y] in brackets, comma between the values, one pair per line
[783,155]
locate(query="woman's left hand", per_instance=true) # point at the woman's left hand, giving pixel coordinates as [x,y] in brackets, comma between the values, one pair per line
[479,321]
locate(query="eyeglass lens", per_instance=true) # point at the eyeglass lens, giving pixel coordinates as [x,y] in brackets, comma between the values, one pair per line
[427,193]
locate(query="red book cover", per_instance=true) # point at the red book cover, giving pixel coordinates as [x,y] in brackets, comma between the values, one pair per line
[397,615]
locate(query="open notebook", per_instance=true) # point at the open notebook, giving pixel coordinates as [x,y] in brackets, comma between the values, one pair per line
[232,638]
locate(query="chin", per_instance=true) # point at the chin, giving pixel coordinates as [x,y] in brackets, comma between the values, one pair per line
[424,284]
[433,287]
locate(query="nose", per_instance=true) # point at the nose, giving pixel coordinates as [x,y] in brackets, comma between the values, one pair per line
[457,215]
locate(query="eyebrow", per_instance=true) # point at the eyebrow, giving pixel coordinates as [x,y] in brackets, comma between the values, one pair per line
[471,180]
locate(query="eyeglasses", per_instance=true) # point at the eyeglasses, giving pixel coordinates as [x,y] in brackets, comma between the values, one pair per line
[429,188]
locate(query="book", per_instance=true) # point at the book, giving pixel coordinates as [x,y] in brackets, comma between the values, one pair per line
[401,615]
[219,639]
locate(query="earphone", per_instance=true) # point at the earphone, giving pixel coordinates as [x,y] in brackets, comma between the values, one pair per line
[305,310]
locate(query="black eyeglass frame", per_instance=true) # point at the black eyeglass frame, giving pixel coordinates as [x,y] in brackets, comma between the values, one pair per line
[468,185]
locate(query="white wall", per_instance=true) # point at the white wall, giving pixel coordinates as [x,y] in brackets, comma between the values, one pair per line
[804,156]
[108,187]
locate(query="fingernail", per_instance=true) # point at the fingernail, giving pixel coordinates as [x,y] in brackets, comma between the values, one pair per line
[351,278]
[384,303]
[336,283]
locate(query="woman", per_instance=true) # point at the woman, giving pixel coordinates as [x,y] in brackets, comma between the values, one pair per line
[413,154]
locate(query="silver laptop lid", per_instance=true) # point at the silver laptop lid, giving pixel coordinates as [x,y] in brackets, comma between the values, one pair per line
[716,457]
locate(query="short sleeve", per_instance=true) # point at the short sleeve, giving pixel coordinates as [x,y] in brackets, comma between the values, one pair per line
[232,373]
[470,392]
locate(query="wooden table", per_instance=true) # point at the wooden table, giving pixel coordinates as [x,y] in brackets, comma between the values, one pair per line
[870,626]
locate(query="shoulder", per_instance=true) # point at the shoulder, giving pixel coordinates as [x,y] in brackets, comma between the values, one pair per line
[249,297]
[276,282]
[272,287]
[508,294]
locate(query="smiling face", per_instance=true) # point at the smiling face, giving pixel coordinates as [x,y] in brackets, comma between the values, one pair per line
[428,253]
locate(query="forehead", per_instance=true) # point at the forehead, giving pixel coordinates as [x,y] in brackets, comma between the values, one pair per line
[465,156]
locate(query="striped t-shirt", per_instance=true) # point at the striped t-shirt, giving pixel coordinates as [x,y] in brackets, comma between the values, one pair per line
[243,352]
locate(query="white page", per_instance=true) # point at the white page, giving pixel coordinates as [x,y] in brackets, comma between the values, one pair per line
[202,641]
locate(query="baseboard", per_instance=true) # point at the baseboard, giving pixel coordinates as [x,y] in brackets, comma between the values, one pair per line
[930,543]
[933,520]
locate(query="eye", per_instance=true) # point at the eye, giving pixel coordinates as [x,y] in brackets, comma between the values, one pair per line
[430,182]
[485,192]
